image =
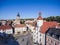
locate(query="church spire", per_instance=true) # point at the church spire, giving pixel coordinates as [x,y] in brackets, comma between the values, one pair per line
[39,17]
[39,13]
[18,14]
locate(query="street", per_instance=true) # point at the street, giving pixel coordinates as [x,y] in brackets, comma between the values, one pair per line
[25,39]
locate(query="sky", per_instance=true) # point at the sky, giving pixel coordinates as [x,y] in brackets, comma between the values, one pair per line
[29,8]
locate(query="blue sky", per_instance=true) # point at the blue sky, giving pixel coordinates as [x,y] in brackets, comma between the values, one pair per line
[29,8]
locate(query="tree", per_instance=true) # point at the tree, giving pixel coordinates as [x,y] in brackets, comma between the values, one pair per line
[53,18]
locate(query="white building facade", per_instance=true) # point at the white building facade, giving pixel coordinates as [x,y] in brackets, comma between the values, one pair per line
[6,29]
[20,28]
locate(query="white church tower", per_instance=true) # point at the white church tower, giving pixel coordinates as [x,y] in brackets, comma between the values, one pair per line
[39,24]
[39,20]
[17,20]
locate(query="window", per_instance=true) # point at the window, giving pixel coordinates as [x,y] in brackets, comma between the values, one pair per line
[40,34]
[40,43]
[59,37]
[24,32]
[53,35]
[48,39]
[40,39]
[48,34]
[55,43]
[18,32]
[51,41]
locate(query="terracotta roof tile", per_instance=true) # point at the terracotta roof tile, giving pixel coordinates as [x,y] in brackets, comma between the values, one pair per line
[19,25]
[47,25]
[39,18]
[4,27]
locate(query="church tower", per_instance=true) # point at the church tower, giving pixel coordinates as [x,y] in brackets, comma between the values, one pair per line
[39,20]
[39,24]
[17,20]
[18,17]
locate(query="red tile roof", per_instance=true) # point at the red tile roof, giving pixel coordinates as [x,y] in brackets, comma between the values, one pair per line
[47,25]
[4,27]
[19,25]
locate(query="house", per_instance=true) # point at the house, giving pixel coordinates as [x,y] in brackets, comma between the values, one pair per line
[39,29]
[3,22]
[20,28]
[6,29]
[53,36]
[42,26]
